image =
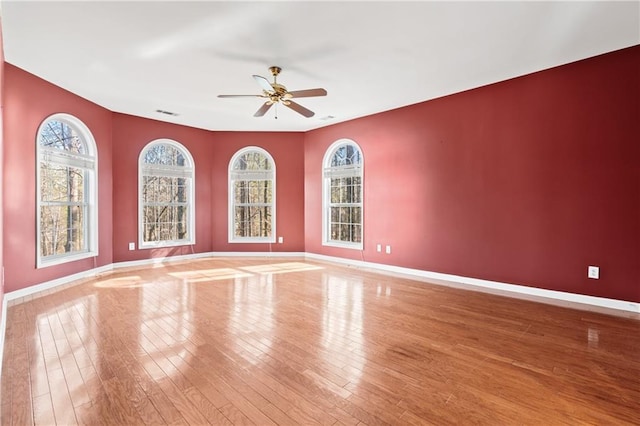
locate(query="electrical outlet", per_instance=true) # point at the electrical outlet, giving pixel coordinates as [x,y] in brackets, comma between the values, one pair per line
[132,246]
[379,248]
[593,272]
[388,249]
[280,240]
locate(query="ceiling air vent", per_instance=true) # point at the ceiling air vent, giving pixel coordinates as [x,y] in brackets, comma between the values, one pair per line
[161,111]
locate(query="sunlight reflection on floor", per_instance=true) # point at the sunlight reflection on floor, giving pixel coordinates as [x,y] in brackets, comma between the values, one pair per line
[130,281]
[281,268]
[202,275]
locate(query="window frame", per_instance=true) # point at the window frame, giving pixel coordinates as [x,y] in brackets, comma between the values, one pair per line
[90,185]
[189,169]
[326,194]
[232,238]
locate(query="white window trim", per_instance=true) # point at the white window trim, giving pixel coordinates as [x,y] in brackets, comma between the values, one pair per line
[231,221]
[326,191]
[89,162]
[181,171]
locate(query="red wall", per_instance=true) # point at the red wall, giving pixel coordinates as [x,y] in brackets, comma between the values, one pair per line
[212,152]
[526,181]
[1,169]
[130,135]
[287,150]
[28,100]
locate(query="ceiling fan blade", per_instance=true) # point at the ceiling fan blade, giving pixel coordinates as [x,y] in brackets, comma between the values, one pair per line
[263,83]
[308,93]
[241,96]
[263,109]
[299,109]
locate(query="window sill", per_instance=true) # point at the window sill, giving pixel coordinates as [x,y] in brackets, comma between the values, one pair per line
[163,244]
[352,246]
[268,240]
[64,258]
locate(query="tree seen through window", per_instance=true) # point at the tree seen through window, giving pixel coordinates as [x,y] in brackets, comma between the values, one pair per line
[252,200]
[63,206]
[343,195]
[166,194]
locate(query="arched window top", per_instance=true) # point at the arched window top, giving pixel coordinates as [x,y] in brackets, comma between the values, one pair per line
[166,152]
[252,163]
[343,153]
[59,134]
[252,158]
[65,132]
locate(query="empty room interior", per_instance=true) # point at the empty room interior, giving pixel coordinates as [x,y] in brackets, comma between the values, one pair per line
[336,213]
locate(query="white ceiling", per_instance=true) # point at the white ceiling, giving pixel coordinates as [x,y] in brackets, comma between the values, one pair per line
[137,57]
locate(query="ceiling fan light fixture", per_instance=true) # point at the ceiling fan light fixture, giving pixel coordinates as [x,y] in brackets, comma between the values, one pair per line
[277,93]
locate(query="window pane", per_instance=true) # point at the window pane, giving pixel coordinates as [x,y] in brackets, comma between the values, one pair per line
[182,190]
[252,160]
[258,191]
[164,154]
[335,214]
[165,222]
[346,155]
[240,191]
[62,229]
[60,135]
[344,232]
[357,233]
[252,221]
[61,183]
[335,190]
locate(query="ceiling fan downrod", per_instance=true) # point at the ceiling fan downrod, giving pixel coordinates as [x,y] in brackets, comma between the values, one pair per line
[274,72]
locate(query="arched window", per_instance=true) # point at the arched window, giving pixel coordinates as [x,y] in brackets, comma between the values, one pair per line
[67,211]
[342,195]
[252,196]
[166,207]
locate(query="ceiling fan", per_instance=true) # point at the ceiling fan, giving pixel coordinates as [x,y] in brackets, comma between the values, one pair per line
[275,93]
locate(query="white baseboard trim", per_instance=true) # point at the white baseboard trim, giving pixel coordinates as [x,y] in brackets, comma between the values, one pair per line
[432,277]
[543,295]
[48,285]
[3,328]
[258,254]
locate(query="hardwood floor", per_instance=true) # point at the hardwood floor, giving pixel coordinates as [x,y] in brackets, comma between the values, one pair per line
[288,341]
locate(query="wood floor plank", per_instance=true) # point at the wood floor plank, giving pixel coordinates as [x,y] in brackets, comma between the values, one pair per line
[43,410]
[287,341]
[62,403]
